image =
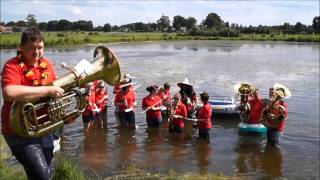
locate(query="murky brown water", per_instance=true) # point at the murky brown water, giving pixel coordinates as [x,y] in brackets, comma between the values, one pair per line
[214,66]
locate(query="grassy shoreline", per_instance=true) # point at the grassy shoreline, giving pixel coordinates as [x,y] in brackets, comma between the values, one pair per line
[59,39]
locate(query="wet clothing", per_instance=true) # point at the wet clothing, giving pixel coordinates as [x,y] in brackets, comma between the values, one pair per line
[34,154]
[276,129]
[127,118]
[256,107]
[125,102]
[152,115]
[182,111]
[189,100]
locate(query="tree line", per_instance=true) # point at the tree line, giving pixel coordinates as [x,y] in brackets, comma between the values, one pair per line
[212,25]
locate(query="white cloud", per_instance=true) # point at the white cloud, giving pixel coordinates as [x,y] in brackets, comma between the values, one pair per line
[123,12]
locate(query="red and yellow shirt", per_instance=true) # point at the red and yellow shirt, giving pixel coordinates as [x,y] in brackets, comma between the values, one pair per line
[204,114]
[149,102]
[15,72]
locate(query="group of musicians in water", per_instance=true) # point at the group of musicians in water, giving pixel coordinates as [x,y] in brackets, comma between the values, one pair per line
[159,106]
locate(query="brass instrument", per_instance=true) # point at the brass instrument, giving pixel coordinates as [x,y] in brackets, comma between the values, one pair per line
[244,90]
[280,92]
[45,116]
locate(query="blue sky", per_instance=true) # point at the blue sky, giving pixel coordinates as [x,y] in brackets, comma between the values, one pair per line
[129,11]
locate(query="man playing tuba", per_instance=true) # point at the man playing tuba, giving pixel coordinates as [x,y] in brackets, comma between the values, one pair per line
[22,80]
[275,114]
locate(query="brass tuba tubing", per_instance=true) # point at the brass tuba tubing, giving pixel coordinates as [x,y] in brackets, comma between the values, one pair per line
[23,118]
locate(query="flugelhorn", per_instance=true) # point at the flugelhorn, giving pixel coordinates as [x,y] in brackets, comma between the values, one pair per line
[268,116]
[244,90]
[43,117]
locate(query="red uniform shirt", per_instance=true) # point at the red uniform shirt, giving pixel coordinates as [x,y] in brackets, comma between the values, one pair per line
[205,113]
[276,111]
[128,100]
[148,102]
[182,111]
[191,105]
[162,95]
[15,73]
[256,106]
[90,101]
[100,94]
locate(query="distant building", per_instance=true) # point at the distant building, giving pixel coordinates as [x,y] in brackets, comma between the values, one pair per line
[19,29]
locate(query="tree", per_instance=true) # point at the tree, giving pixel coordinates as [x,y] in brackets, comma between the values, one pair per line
[178,22]
[21,24]
[191,23]
[154,26]
[43,26]
[64,25]
[299,27]
[11,23]
[107,27]
[52,25]
[163,23]
[82,25]
[213,21]
[31,20]
[316,23]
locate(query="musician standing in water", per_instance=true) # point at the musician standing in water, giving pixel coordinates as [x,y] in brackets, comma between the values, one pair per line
[256,107]
[164,93]
[23,80]
[177,115]
[204,117]
[125,100]
[275,115]
[152,104]
[101,102]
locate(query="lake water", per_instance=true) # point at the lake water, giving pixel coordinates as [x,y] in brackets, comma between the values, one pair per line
[214,66]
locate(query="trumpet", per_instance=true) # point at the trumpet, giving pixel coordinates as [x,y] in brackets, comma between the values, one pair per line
[33,120]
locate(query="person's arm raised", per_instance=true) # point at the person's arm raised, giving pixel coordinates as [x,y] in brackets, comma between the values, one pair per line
[30,93]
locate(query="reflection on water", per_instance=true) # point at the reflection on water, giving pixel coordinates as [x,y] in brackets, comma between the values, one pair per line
[214,66]
[255,156]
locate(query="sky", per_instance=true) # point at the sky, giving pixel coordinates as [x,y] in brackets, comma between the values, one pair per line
[119,12]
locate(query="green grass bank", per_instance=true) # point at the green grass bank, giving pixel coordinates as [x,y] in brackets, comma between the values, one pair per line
[57,39]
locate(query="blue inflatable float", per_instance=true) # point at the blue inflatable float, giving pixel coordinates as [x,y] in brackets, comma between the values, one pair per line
[252,128]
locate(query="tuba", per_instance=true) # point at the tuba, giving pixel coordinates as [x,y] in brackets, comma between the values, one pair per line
[244,90]
[280,92]
[33,120]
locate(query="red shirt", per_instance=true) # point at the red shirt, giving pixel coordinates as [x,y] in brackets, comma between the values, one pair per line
[162,94]
[90,101]
[127,99]
[256,106]
[190,106]
[276,111]
[100,94]
[13,74]
[148,102]
[182,111]
[205,113]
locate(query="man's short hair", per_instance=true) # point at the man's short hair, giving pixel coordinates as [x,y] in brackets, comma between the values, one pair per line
[204,96]
[31,34]
[166,85]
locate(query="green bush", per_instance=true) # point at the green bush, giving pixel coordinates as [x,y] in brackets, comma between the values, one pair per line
[67,169]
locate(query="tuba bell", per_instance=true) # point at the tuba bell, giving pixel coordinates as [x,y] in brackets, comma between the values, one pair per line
[280,92]
[244,90]
[33,120]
